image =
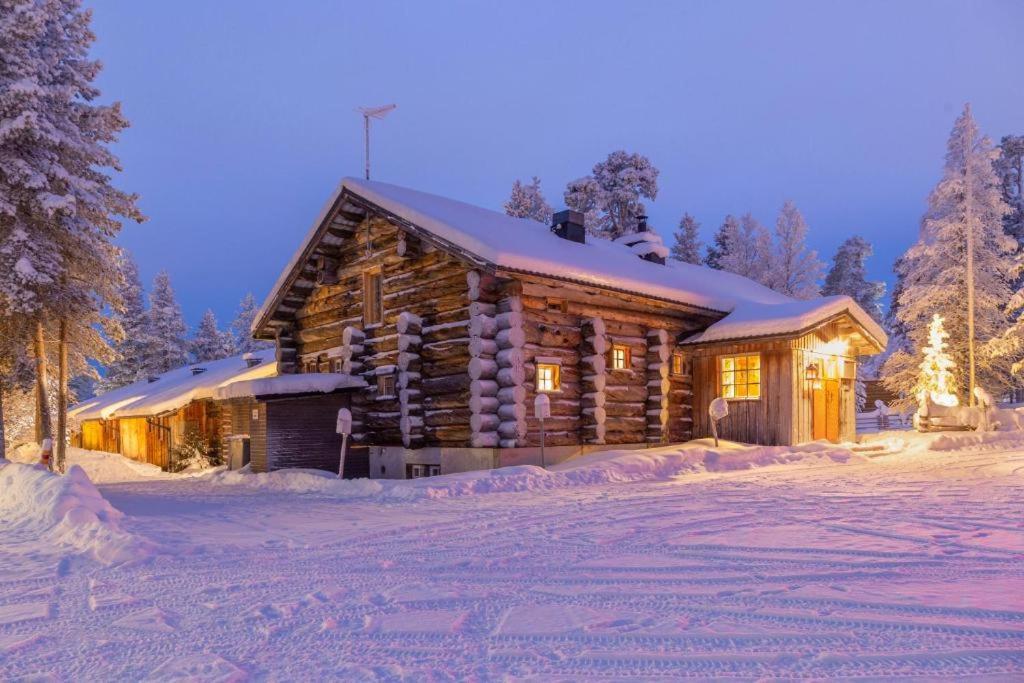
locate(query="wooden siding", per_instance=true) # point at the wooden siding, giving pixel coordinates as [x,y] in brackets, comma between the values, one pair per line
[766,420]
[784,413]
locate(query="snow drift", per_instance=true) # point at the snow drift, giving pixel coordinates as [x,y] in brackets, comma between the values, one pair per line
[104,468]
[42,513]
[617,466]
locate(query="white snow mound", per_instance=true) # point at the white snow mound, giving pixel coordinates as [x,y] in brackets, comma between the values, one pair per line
[616,466]
[43,513]
[104,468]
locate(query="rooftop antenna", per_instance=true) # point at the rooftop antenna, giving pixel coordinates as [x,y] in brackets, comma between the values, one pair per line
[372,113]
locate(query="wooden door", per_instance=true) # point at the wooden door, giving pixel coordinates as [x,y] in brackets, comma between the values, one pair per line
[832,410]
[825,415]
[818,413]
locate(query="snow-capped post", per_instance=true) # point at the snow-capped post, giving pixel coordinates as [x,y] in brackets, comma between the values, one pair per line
[718,410]
[541,410]
[344,427]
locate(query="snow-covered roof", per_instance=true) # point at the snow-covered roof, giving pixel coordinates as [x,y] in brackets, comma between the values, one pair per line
[520,245]
[523,245]
[750,320]
[174,389]
[306,383]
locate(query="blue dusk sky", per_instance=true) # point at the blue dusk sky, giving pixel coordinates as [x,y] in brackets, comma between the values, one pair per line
[243,114]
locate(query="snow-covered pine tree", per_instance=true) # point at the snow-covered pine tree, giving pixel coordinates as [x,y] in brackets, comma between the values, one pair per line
[610,196]
[687,245]
[166,348]
[209,343]
[241,327]
[527,201]
[58,210]
[795,269]
[966,207]
[727,233]
[748,250]
[129,364]
[1010,168]
[848,275]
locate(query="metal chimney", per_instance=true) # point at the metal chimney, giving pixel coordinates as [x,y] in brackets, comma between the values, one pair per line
[568,225]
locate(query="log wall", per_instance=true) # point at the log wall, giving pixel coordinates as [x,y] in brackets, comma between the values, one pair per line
[429,359]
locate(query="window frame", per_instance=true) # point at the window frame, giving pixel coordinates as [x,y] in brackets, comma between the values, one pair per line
[672,369]
[382,382]
[373,297]
[627,356]
[746,384]
[556,377]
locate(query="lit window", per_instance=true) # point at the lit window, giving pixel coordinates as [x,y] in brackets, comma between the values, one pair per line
[741,376]
[548,377]
[373,298]
[620,357]
[385,386]
[309,366]
[677,364]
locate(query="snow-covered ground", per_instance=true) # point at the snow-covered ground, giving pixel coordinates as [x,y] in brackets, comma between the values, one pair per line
[905,558]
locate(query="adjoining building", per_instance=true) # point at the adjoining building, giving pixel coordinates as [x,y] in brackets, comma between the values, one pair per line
[453,318]
[146,420]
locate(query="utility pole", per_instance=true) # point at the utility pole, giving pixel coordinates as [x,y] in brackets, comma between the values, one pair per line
[372,113]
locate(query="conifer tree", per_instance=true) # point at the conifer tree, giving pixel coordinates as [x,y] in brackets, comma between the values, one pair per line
[795,269]
[610,196]
[209,343]
[964,215]
[687,244]
[166,348]
[727,233]
[131,321]
[527,201]
[59,211]
[848,275]
[748,250]
[1010,169]
[241,327]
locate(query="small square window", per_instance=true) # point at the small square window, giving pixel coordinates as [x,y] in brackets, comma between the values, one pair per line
[337,364]
[741,376]
[385,386]
[678,364]
[548,377]
[309,366]
[620,357]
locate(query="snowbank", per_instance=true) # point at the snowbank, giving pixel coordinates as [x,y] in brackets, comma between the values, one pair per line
[962,441]
[102,467]
[41,512]
[615,466]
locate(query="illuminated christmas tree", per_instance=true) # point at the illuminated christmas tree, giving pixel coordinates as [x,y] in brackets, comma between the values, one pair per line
[936,379]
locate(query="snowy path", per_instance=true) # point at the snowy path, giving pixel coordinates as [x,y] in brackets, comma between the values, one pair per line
[902,566]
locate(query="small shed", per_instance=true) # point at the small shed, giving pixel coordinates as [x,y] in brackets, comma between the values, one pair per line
[289,421]
[787,370]
[145,420]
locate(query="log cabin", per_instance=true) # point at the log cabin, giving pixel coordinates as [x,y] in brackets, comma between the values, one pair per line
[457,317]
[145,420]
